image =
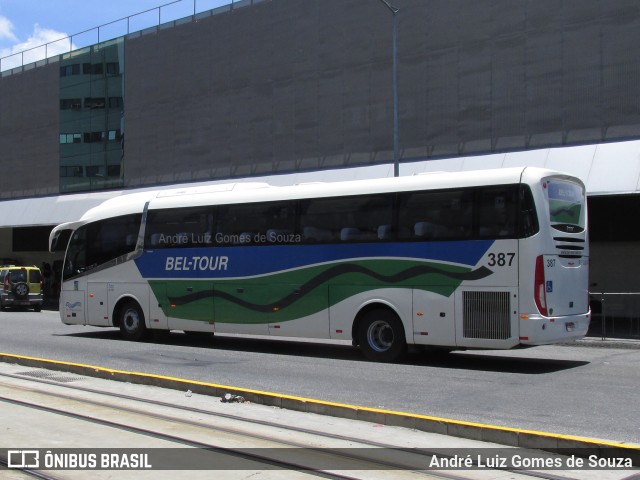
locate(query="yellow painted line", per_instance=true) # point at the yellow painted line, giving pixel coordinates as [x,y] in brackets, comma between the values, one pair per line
[305,400]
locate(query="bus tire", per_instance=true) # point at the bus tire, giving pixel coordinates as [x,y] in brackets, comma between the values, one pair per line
[381,336]
[132,326]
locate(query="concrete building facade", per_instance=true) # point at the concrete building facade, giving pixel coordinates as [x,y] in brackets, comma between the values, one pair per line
[288,85]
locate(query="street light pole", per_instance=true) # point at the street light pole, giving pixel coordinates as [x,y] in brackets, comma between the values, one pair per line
[394,34]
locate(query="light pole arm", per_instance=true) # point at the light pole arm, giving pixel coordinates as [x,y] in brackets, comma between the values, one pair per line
[393,9]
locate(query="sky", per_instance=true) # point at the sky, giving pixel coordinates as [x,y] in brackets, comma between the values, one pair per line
[26,24]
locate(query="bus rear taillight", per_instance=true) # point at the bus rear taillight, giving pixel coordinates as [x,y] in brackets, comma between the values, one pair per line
[540,293]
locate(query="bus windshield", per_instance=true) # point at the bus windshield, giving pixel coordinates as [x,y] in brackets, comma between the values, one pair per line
[99,243]
[566,203]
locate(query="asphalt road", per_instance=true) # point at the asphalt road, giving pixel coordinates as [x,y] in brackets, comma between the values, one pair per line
[586,389]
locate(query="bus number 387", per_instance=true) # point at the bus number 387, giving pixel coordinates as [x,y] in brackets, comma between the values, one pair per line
[501,259]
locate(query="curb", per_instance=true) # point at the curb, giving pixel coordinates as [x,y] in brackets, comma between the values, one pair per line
[513,437]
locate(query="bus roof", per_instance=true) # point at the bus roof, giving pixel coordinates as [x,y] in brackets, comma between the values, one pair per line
[247,192]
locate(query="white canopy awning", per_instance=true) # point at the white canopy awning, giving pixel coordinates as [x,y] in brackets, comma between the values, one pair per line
[606,169]
[49,210]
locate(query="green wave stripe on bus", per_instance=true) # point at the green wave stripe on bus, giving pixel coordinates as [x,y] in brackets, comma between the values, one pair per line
[301,292]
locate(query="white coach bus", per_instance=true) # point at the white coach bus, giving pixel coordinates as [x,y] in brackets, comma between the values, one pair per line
[491,259]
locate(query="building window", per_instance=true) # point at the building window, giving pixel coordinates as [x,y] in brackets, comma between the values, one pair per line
[93,137]
[70,104]
[100,70]
[113,68]
[92,68]
[113,135]
[70,138]
[71,171]
[68,70]
[94,171]
[94,102]
[115,102]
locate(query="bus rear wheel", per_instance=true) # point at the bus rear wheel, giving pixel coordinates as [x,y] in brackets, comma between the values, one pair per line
[381,336]
[132,326]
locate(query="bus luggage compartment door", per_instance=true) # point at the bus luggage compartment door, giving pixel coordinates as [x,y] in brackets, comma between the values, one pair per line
[238,308]
[433,319]
[190,306]
[73,307]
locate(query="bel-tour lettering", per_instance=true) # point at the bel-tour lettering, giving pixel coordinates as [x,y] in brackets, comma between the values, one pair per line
[202,264]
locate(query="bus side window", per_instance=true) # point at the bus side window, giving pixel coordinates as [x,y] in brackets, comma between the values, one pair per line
[317,220]
[315,234]
[179,227]
[385,232]
[116,236]
[268,223]
[497,209]
[361,218]
[528,218]
[436,215]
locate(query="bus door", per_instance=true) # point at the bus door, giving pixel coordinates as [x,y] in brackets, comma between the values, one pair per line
[98,303]
[190,306]
[433,319]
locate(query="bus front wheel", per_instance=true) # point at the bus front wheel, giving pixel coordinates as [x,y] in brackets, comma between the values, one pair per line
[132,326]
[381,336]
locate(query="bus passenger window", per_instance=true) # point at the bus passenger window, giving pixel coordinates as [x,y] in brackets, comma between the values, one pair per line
[436,215]
[178,227]
[497,212]
[385,232]
[528,218]
[347,219]
[269,223]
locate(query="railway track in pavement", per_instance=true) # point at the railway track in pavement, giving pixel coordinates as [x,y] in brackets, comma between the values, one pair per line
[156,437]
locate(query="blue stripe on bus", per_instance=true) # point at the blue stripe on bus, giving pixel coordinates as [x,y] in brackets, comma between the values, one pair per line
[246,261]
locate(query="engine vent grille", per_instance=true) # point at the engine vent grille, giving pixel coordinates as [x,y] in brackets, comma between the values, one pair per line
[570,247]
[486,315]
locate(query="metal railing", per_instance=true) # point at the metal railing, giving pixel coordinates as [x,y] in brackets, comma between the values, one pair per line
[615,315]
[163,16]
